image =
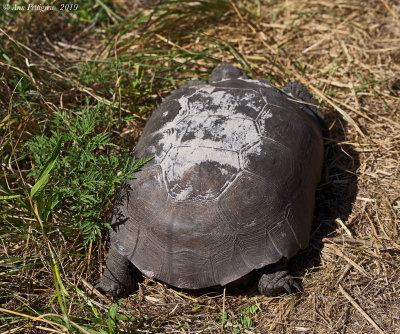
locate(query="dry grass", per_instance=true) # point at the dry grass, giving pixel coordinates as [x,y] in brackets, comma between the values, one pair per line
[348,54]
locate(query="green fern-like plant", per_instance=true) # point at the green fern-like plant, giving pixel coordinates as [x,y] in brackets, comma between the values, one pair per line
[87,170]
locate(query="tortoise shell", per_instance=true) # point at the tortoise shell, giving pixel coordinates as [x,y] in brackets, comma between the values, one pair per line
[231,187]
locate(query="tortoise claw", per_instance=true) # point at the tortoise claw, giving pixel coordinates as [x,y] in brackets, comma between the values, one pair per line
[291,286]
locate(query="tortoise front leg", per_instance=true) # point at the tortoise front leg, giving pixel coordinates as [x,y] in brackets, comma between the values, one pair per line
[118,280]
[276,280]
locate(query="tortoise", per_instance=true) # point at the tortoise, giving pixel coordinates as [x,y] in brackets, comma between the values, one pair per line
[230,190]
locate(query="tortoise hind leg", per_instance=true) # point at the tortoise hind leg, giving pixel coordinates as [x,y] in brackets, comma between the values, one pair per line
[276,280]
[119,279]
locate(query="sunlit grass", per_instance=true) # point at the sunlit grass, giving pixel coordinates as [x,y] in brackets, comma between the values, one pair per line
[76,89]
[62,165]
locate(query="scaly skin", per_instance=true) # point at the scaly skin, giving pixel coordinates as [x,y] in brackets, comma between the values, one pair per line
[118,279]
[276,280]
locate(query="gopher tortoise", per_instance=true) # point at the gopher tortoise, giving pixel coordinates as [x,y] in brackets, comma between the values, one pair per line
[230,189]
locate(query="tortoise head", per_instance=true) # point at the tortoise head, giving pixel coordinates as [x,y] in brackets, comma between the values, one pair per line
[226,71]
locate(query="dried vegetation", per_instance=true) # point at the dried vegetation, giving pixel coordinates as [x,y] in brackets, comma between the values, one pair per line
[348,55]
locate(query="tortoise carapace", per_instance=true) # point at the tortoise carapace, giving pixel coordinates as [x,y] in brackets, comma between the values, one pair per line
[230,189]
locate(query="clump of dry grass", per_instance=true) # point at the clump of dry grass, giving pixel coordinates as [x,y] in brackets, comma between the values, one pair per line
[348,54]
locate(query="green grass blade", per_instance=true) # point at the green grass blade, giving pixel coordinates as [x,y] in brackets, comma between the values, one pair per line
[44,175]
[112,317]
[9,197]
[51,203]
[38,187]
[52,160]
